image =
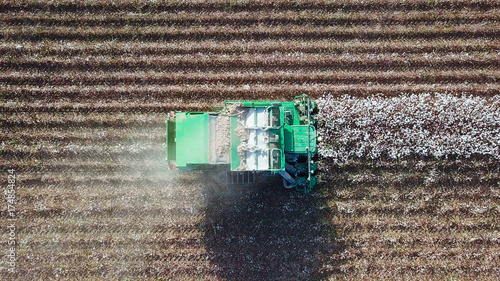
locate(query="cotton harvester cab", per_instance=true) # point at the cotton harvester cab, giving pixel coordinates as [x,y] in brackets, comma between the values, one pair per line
[247,138]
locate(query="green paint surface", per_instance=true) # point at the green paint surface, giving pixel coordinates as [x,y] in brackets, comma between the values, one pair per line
[235,142]
[191,138]
[296,139]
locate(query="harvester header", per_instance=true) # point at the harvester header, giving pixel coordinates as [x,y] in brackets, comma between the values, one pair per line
[248,138]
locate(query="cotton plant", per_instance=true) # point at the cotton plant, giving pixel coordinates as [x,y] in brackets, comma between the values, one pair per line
[428,124]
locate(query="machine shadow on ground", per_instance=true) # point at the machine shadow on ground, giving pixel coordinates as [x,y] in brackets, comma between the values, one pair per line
[265,232]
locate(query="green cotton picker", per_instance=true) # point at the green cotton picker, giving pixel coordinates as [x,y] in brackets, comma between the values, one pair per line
[247,139]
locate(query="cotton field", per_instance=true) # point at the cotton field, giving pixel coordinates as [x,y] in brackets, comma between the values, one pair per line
[421,125]
[409,173]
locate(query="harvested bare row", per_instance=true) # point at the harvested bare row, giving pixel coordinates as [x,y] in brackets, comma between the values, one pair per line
[95,121]
[466,16]
[58,133]
[248,77]
[202,5]
[109,106]
[36,158]
[208,62]
[87,181]
[70,48]
[151,33]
